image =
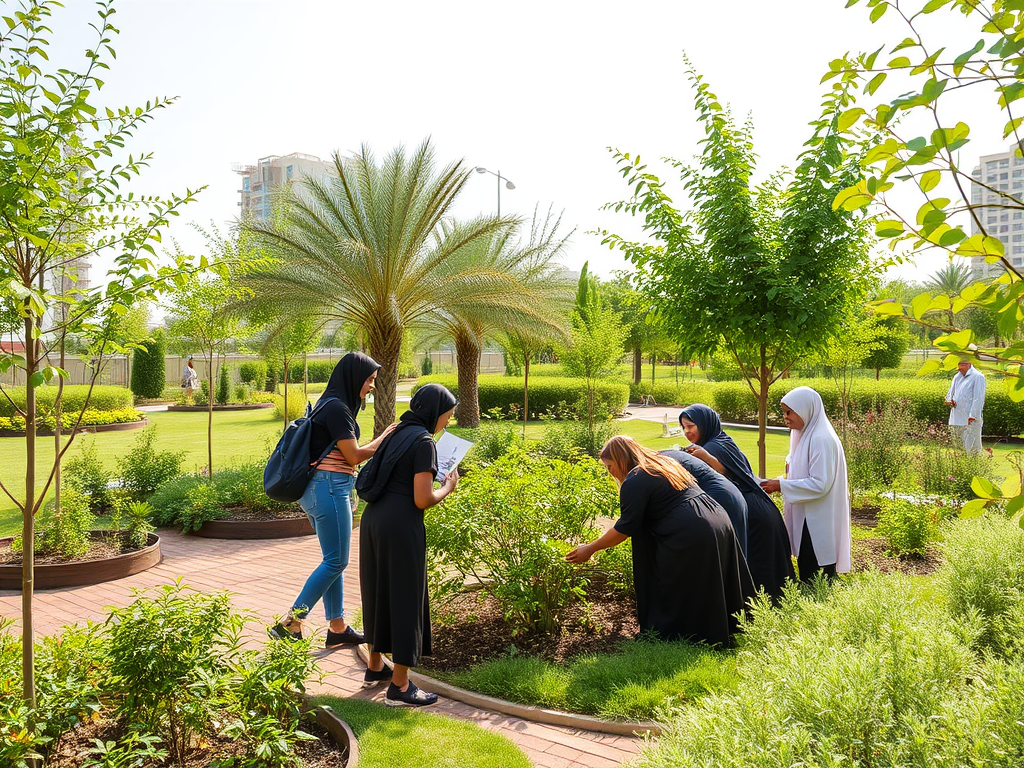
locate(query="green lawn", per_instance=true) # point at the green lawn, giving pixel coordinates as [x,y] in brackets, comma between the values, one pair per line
[393,737]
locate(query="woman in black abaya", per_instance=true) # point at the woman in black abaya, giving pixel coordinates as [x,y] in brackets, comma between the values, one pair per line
[687,565]
[768,549]
[399,486]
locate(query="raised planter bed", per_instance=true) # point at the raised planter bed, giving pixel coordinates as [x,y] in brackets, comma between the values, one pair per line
[204,409]
[123,426]
[81,573]
[339,731]
[283,528]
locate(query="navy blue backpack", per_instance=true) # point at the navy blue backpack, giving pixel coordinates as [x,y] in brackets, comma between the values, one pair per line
[288,468]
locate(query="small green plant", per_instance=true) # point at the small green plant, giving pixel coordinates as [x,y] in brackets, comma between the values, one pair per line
[135,749]
[86,473]
[143,469]
[875,446]
[65,534]
[944,468]
[569,440]
[203,502]
[223,386]
[906,526]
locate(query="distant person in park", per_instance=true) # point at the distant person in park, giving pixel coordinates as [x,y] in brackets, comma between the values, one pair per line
[399,486]
[815,490]
[688,569]
[327,500]
[966,400]
[189,380]
[768,549]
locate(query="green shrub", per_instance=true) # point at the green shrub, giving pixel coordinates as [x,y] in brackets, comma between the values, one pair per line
[253,373]
[223,386]
[86,473]
[513,521]
[131,524]
[723,367]
[492,440]
[945,469]
[984,576]
[876,446]
[616,565]
[906,526]
[143,469]
[64,535]
[506,394]
[168,499]
[296,404]
[427,365]
[569,440]
[667,393]
[104,398]
[148,369]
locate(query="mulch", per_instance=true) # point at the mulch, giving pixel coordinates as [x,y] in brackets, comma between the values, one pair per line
[244,513]
[871,554]
[99,550]
[472,628]
[73,748]
[865,516]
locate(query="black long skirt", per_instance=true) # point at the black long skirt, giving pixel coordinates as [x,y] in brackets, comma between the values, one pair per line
[769,554]
[393,578]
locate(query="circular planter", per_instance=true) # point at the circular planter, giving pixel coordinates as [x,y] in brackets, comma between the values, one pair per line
[216,408]
[81,573]
[227,528]
[123,426]
[339,731]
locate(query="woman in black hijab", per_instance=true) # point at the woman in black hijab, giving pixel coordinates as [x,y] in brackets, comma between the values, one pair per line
[334,450]
[769,555]
[399,486]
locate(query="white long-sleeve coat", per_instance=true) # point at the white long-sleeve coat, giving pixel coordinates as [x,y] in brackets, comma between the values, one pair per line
[968,392]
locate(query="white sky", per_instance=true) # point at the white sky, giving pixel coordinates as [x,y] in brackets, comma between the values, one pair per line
[535,89]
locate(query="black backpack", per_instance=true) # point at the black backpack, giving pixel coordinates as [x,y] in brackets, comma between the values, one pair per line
[288,468]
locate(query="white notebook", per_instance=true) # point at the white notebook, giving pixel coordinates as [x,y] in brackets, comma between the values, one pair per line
[450,451]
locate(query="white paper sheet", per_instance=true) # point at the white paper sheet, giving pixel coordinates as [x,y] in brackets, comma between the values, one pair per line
[450,451]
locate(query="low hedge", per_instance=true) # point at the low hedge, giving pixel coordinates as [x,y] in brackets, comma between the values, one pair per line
[104,398]
[91,418]
[547,394]
[735,402]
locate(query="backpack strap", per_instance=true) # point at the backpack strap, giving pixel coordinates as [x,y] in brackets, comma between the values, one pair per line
[330,446]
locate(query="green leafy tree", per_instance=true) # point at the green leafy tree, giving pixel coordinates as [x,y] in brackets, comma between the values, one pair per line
[62,171]
[521,347]
[149,374]
[283,340]
[767,272]
[931,76]
[890,339]
[365,245]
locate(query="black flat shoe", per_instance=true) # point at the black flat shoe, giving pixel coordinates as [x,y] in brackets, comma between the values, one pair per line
[348,637]
[411,697]
[280,632]
[371,678]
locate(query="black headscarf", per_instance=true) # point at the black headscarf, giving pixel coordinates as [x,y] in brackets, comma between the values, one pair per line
[716,442]
[347,381]
[428,404]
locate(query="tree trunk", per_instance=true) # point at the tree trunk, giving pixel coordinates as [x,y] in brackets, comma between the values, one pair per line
[467,358]
[526,393]
[637,364]
[285,427]
[209,421]
[762,416]
[384,345]
[878,373]
[305,375]
[28,523]
[654,360]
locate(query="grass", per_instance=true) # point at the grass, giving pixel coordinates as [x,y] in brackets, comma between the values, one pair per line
[631,684]
[389,737]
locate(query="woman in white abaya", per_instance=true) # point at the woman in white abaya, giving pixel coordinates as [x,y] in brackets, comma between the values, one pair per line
[815,491]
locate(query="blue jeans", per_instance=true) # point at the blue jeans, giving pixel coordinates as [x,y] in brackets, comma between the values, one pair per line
[327,503]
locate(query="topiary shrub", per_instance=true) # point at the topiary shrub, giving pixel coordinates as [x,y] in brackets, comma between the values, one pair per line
[148,369]
[223,386]
[253,373]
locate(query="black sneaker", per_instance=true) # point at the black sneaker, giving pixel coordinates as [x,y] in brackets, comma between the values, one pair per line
[280,632]
[371,678]
[411,697]
[348,637]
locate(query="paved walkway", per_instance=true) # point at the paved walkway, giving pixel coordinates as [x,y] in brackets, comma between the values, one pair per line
[264,577]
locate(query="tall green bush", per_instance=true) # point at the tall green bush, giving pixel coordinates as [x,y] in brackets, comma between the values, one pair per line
[143,469]
[223,386]
[148,371]
[104,398]
[254,373]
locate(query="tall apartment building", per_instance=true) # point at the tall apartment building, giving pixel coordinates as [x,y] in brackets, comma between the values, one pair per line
[261,181]
[1001,172]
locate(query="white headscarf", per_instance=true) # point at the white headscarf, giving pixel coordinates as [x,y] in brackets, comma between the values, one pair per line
[807,404]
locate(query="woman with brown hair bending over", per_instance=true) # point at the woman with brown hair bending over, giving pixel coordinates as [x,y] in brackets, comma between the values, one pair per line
[687,566]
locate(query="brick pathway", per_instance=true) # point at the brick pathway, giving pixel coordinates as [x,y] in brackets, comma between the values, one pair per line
[265,576]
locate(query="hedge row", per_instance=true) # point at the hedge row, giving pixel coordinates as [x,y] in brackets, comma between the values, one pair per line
[547,394]
[735,402]
[91,418]
[104,398]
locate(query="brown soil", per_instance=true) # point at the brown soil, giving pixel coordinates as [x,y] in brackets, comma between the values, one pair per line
[871,553]
[74,746]
[472,628]
[243,513]
[99,550]
[865,516]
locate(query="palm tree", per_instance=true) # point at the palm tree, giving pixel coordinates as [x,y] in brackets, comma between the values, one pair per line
[536,299]
[950,281]
[366,245]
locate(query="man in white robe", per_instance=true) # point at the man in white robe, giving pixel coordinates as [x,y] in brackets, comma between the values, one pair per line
[966,400]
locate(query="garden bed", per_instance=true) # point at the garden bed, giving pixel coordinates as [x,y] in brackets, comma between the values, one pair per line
[872,554]
[103,563]
[118,426]
[253,524]
[219,408]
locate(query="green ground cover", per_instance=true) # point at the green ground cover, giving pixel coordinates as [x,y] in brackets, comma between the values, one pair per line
[390,737]
[633,683]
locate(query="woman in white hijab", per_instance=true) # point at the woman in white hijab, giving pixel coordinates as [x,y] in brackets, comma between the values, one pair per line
[816,492]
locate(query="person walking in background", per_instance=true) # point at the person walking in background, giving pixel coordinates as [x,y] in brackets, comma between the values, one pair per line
[189,380]
[768,549]
[966,401]
[816,490]
[691,580]
[327,500]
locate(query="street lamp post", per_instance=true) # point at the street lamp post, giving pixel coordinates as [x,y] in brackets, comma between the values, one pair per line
[508,184]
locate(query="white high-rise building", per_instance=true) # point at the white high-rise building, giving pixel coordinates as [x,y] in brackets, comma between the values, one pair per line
[1000,216]
[261,181]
